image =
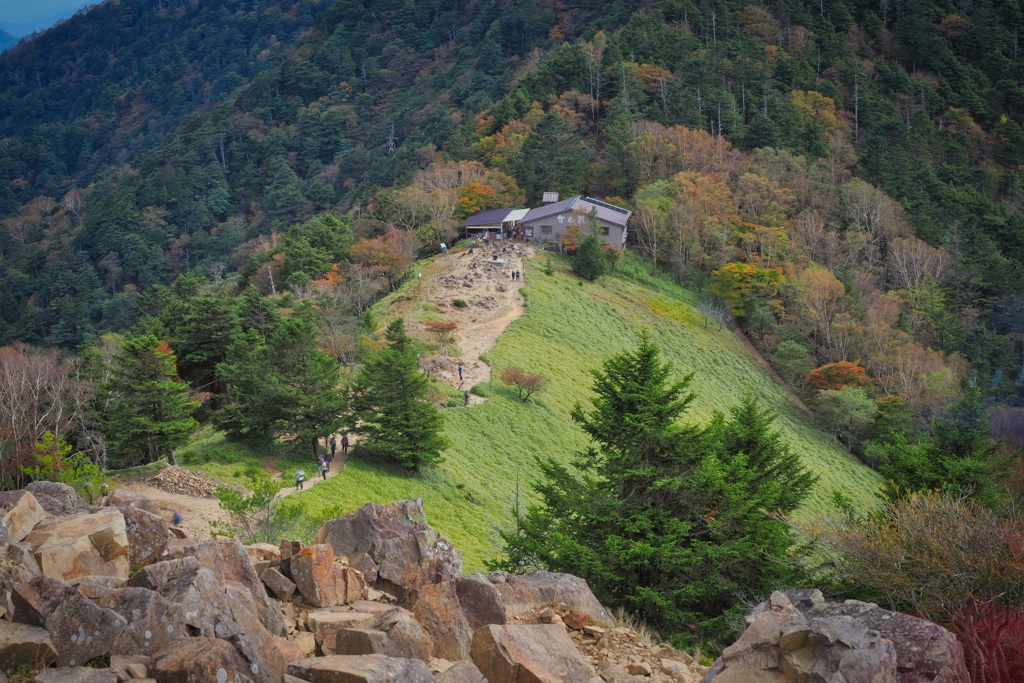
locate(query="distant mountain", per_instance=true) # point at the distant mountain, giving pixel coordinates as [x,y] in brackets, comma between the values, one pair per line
[7,40]
[21,20]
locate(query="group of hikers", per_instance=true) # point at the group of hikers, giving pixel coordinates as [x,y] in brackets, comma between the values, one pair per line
[324,461]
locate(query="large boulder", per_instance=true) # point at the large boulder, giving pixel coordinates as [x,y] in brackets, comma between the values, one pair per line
[480,601]
[55,497]
[780,645]
[228,559]
[121,498]
[17,565]
[255,642]
[157,575]
[406,636]
[21,644]
[280,585]
[200,659]
[153,622]
[523,594]
[324,624]
[147,536]
[436,607]
[360,669]
[925,652]
[535,653]
[393,546]
[22,514]
[322,582]
[82,545]
[79,628]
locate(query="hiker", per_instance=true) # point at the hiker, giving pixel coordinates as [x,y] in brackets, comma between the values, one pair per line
[344,444]
[300,476]
[460,372]
[323,468]
[466,394]
[334,445]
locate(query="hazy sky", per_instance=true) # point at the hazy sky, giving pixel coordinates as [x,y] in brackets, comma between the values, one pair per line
[19,11]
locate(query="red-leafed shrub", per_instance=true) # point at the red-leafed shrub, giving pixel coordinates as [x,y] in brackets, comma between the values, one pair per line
[993,640]
[835,376]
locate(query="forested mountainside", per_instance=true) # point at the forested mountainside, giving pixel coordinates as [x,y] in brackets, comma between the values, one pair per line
[754,141]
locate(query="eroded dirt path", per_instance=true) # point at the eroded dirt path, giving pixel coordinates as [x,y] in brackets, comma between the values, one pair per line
[493,303]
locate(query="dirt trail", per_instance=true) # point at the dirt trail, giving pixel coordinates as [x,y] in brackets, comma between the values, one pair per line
[493,300]
[198,511]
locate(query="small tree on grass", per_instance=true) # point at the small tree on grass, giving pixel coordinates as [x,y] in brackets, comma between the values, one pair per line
[589,261]
[389,407]
[251,514]
[526,385]
[444,331]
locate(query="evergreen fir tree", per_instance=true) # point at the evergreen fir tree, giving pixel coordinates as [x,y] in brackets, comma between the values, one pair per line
[388,405]
[144,409]
[667,520]
[553,159]
[589,261]
[289,385]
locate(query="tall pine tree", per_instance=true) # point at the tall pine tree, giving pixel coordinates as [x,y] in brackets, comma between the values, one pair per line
[388,405]
[667,520]
[287,385]
[143,407]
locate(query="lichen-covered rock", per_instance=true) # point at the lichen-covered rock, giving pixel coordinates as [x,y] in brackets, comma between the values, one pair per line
[393,546]
[229,561]
[147,536]
[535,653]
[56,498]
[925,652]
[360,669]
[153,622]
[79,628]
[84,544]
[780,644]
[192,660]
[156,575]
[269,662]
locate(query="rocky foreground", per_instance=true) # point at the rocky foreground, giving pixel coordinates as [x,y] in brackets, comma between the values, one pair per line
[115,593]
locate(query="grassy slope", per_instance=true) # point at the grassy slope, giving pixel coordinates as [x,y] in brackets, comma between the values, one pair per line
[567,330]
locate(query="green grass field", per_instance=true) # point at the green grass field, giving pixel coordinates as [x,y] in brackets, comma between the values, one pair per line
[569,328]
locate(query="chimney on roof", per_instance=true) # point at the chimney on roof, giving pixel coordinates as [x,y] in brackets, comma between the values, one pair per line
[550,197]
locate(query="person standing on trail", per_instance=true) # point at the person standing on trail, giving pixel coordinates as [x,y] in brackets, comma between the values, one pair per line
[300,476]
[344,445]
[323,468]
[334,445]
[460,372]
[466,394]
